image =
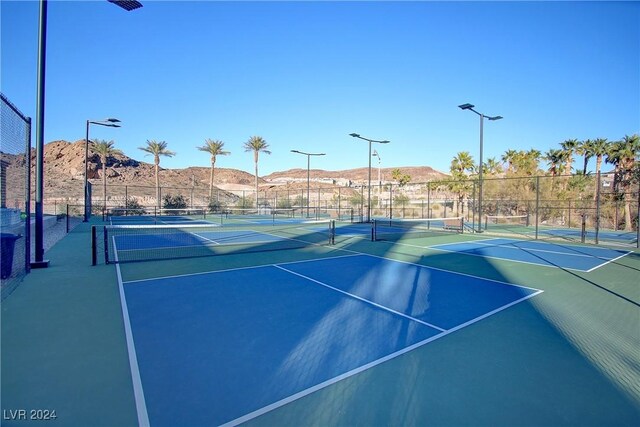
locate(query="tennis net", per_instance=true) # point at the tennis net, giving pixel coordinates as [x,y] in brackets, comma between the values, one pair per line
[498,222]
[141,242]
[396,229]
[152,215]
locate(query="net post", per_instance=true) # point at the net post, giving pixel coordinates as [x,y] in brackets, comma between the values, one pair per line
[373,230]
[94,246]
[461,225]
[106,245]
[332,232]
[67,218]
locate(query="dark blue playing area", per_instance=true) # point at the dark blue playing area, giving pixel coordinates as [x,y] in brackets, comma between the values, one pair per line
[627,237]
[224,347]
[574,257]
[185,238]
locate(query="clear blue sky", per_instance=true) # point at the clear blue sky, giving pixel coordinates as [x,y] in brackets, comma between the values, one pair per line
[303,75]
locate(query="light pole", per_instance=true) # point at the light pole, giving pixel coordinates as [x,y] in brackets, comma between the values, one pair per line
[308,169]
[111,122]
[482,116]
[376,154]
[355,135]
[40,262]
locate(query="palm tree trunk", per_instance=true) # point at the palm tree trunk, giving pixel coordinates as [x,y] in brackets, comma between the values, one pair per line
[598,164]
[257,182]
[157,183]
[213,162]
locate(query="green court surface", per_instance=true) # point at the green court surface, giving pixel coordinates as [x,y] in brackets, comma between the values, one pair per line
[568,356]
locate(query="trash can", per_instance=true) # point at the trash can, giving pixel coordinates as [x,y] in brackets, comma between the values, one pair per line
[7,244]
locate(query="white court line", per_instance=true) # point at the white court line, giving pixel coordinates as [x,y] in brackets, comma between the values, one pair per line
[138,392]
[236,268]
[361,299]
[435,248]
[611,260]
[365,367]
[338,378]
[511,245]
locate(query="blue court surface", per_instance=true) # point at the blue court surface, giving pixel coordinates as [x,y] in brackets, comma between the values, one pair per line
[196,238]
[628,237]
[573,257]
[225,347]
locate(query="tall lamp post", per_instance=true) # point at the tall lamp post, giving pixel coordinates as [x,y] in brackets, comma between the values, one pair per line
[376,154]
[355,135]
[111,122]
[40,262]
[470,107]
[308,177]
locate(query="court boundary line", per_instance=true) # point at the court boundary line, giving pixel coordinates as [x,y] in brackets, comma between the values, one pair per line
[511,245]
[375,304]
[610,261]
[236,268]
[355,371]
[212,243]
[604,262]
[442,269]
[481,256]
[367,366]
[575,247]
[138,391]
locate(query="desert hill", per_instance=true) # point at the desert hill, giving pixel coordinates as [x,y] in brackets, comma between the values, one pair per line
[64,175]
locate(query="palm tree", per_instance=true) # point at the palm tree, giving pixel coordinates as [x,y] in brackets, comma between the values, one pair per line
[623,155]
[492,166]
[569,147]
[599,148]
[214,148]
[104,149]
[157,149]
[555,159]
[508,157]
[257,144]
[462,163]
[585,149]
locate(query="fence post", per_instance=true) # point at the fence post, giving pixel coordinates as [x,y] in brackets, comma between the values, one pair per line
[537,204]
[429,200]
[390,201]
[638,222]
[94,246]
[597,219]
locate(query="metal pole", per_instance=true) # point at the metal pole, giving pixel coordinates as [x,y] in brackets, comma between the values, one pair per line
[308,185]
[27,199]
[480,177]
[537,204]
[42,54]
[597,221]
[369,188]
[86,172]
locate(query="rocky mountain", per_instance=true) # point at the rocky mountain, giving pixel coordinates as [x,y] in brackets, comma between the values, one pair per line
[356,176]
[64,175]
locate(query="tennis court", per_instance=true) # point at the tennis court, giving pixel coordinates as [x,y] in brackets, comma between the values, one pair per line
[623,237]
[574,257]
[224,347]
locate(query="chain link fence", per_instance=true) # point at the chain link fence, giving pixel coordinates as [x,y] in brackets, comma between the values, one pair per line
[581,208]
[15,155]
